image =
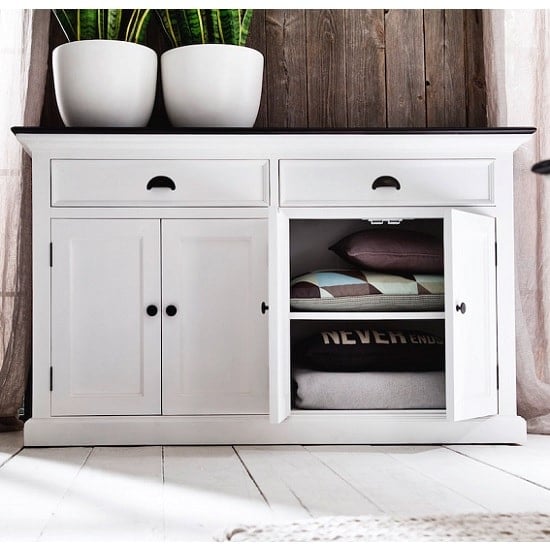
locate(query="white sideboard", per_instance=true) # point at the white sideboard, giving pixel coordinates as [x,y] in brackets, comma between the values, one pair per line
[161,271]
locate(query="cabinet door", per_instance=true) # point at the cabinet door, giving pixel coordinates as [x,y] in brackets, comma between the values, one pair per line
[105,348]
[214,351]
[470,316]
[280,395]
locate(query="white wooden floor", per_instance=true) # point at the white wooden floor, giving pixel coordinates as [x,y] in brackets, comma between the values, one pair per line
[195,493]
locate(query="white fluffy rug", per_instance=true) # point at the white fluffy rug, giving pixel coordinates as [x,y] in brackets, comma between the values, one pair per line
[467,527]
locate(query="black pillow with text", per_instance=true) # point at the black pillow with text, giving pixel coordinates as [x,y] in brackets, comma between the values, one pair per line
[359,348]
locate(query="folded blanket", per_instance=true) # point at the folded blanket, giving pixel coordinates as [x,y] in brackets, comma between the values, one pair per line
[369,390]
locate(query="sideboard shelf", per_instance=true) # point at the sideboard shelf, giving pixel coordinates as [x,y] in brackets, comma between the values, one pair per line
[164,316]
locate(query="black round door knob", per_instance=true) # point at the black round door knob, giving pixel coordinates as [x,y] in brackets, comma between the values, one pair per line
[461,307]
[171,310]
[152,310]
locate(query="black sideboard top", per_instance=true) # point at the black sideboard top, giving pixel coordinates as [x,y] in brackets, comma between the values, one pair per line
[269,131]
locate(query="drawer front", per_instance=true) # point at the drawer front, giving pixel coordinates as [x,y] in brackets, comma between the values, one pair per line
[136,183]
[419,182]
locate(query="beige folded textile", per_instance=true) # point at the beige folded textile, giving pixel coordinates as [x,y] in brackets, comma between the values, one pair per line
[369,390]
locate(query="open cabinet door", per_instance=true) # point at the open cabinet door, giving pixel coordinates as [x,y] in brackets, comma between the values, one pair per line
[279,322]
[470,316]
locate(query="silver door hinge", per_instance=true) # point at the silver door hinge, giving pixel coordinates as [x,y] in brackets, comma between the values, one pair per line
[51,254]
[51,378]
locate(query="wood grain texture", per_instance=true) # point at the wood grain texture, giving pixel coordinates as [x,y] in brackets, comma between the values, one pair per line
[365,68]
[196,493]
[528,462]
[353,68]
[326,69]
[434,44]
[394,488]
[489,487]
[33,484]
[405,80]
[444,44]
[207,489]
[286,68]
[296,483]
[116,507]
[455,82]
[476,90]
[257,40]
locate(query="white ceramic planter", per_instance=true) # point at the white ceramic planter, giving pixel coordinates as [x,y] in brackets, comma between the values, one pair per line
[212,85]
[104,83]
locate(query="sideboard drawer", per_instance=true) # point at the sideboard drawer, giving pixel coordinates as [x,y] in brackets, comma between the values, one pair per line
[84,182]
[422,182]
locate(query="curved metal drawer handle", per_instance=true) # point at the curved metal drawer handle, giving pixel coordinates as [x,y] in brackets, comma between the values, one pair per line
[161,181]
[386,181]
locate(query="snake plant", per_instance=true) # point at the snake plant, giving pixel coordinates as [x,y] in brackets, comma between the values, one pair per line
[185,27]
[127,25]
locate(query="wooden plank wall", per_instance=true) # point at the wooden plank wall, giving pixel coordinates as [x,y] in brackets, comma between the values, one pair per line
[357,68]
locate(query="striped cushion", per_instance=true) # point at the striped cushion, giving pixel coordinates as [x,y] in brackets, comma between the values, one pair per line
[354,290]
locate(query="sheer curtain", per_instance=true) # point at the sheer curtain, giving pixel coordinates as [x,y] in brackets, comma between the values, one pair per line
[23,62]
[517,61]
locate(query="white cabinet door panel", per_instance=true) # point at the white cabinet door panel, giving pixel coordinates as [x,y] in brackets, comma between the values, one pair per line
[470,285]
[280,396]
[215,347]
[105,348]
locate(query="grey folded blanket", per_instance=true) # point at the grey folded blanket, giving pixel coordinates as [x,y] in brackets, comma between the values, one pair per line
[369,390]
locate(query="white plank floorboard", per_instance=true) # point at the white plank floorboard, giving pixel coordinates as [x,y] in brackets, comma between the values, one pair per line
[206,490]
[395,487]
[298,485]
[32,484]
[10,443]
[196,493]
[117,495]
[530,462]
[494,490]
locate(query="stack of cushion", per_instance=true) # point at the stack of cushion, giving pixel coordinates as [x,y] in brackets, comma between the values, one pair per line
[361,367]
[393,270]
[365,367]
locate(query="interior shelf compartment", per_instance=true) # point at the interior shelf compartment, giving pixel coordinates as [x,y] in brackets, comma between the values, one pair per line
[334,364]
[310,239]
[399,283]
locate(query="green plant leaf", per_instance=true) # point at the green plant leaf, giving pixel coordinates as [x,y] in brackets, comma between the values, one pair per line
[101,30]
[130,25]
[199,26]
[195,22]
[245,17]
[67,22]
[87,25]
[114,18]
[215,32]
[144,19]
[230,25]
[138,25]
[170,25]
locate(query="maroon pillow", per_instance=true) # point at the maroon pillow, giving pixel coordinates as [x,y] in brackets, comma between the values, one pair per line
[392,250]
